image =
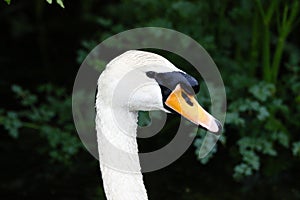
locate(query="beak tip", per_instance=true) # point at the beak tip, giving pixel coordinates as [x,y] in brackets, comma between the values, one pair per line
[219,129]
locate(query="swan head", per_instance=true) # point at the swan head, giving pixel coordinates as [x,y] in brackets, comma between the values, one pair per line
[143,81]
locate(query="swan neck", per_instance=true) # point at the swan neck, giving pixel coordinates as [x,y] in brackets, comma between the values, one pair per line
[118,153]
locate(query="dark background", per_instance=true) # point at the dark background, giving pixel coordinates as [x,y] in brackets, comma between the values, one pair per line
[256,50]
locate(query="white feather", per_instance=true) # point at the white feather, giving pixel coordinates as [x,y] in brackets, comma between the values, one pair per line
[123,89]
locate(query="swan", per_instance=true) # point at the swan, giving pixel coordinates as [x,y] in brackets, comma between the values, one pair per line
[162,87]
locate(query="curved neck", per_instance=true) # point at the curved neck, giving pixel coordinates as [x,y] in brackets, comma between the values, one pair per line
[118,153]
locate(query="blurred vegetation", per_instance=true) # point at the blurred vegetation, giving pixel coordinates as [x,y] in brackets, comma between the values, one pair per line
[59,2]
[39,115]
[255,44]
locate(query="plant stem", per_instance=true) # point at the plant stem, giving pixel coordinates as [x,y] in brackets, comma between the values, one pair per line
[255,39]
[288,20]
[30,125]
[277,58]
[266,54]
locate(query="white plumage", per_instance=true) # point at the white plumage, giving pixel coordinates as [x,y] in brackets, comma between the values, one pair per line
[124,88]
[120,184]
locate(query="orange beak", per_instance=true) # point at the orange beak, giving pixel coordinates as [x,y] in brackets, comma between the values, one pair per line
[187,106]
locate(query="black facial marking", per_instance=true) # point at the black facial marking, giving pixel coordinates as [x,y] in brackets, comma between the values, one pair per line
[150,74]
[187,99]
[172,79]
[192,83]
[169,80]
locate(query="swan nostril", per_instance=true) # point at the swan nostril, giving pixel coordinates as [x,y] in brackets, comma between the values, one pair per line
[187,99]
[187,88]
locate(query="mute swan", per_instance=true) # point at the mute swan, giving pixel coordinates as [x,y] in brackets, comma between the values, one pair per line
[166,88]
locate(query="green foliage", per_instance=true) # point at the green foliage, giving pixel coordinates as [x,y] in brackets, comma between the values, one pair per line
[7,1]
[47,113]
[286,19]
[296,148]
[262,91]
[59,2]
[251,43]
[11,123]
[255,118]
[247,40]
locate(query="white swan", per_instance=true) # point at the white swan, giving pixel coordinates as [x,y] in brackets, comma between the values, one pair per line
[162,87]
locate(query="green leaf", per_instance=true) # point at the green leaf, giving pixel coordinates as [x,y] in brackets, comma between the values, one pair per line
[234,118]
[262,91]
[104,21]
[251,158]
[12,123]
[282,138]
[296,148]
[7,1]
[60,2]
[184,8]
[242,170]
[17,89]
[262,113]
